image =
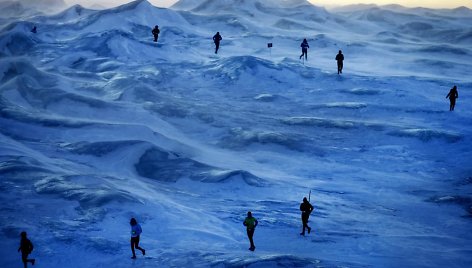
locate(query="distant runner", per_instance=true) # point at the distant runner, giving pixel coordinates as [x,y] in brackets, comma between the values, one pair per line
[304,45]
[156,32]
[135,233]
[306,209]
[250,222]
[339,59]
[217,38]
[26,247]
[452,95]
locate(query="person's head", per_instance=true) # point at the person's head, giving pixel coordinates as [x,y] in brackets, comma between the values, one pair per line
[249,214]
[217,33]
[340,52]
[305,200]
[23,235]
[157,26]
[133,222]
[304,40]
[454,87]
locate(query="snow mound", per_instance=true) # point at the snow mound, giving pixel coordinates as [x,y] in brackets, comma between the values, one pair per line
[274,261]
[239,138]
[72,14]
[166,166]
[89,191]
[320,122]
[17,42]
[428,134]
[99,149]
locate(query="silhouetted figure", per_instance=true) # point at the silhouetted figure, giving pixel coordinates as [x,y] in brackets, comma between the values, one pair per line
[250,222]
[339,59]
[304,45]
[452,95]
[217,38]
[34,30]
[156,32]
[26,247]
[306,209]
[135,233]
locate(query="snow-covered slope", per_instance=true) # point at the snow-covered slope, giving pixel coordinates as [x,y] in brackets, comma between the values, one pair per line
[100,124]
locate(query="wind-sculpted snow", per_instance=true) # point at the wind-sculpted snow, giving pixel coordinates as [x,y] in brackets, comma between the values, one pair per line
[274,261]
[167,166]
[427,134]
[383,16]
[363,91]
[12,165]
[236,68]
[463,201]
[99,149]
[287,24]
[16,9]
[99,124]
[319,122]
[345,105]
[446,49]
[16,43]
[239,137]
[417,27]
[11,9]
[222,176]
[73,14]
[14,68]
[89,191]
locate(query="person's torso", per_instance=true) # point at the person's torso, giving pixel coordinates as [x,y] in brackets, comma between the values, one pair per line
[250,222]
[25,246]
[136,230]
[305,207]
[453,94]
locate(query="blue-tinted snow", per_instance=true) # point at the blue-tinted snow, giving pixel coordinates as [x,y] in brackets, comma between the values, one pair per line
[100,124]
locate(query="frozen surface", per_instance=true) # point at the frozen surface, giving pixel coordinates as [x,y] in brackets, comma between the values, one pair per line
[100,124]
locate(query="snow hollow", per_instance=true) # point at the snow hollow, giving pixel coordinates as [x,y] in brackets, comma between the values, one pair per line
[100,124]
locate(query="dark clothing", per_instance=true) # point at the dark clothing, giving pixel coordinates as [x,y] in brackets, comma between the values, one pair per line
[217,38]
[306,208]
[452,96]
[304,45]
[26,247]
[135,244]
[250,235]
[250,223]
[155,32]
[34,30]
[339,59]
